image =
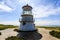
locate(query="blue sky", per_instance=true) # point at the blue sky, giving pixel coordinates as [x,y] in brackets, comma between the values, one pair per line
[46,12]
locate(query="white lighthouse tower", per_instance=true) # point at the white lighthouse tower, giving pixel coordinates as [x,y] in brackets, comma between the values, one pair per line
[27,20]
[27,28]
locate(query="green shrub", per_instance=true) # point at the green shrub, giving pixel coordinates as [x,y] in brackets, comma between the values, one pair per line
[55,34]
[13,38]
[15,29]
[0,33]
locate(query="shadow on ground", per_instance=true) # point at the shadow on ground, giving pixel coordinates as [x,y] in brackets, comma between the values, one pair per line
[30,35]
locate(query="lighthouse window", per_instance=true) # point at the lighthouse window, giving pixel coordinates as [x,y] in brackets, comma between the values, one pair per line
[24,23]
[27,12]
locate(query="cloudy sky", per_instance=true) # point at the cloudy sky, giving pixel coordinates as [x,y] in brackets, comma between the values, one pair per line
[46,12]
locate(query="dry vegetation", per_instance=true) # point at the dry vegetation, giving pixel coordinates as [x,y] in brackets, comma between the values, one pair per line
[2,27]
[56,28]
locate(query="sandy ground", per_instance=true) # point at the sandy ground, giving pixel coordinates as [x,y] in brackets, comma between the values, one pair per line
[45,33]
[7,33]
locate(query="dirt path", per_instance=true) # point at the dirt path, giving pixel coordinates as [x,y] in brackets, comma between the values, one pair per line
[6,33]
[45,33]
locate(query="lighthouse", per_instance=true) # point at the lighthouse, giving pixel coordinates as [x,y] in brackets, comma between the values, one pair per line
[27,20]
[27,28]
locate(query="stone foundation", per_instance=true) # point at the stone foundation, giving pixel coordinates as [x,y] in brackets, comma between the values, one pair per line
[30,35]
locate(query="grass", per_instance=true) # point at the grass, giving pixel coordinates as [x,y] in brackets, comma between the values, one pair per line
[50,28]
[2,27]
[13,38]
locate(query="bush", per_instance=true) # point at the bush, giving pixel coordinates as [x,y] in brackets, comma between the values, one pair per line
[55,34]
[13,38]
[0,33]
[15,29]
[59,28]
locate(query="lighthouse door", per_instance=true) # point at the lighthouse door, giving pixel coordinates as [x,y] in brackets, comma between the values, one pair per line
[24,23]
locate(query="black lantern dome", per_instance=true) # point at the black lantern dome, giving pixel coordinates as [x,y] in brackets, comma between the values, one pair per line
[27,7]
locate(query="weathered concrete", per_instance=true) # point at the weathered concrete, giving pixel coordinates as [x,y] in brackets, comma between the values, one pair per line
[30,35]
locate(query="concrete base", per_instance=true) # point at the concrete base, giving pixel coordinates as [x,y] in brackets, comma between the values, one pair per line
[30,35]
[27,31]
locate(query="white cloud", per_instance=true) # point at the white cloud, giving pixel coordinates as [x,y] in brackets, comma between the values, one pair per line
[25,1]
[45,11]
[47,22]
[12,3]
[5,8]
[10,23]
[37,23]
[41,10]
